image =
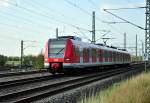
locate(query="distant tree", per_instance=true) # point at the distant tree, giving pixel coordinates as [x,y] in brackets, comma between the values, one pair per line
[29,60]
[3,60]
[34,61]
[11,58]
[39,63]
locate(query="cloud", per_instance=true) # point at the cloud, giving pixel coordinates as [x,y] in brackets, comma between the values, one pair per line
[107,6]
[112,6]
[4,3]
[137,4]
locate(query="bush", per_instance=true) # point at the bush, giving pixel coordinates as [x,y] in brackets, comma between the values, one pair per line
[39,64]
[3,60]
[34,61]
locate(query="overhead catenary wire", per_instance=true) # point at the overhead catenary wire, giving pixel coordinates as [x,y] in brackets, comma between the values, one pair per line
[20,27]
[124,19]
[140,7]
[83,34]
[94,5]
[17,27]
[111,26]
[47,8]
[45,16]
[13,17]
[73,4]
[83,10]
[38,5]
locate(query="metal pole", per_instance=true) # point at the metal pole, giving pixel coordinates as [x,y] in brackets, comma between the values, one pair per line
[124,40]
[136,46]
[93,28]
[142,51]
[21,53]
[145,66]
[147,27]
[56,33]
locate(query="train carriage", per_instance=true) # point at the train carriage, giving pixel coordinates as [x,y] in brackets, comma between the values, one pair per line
[70,52]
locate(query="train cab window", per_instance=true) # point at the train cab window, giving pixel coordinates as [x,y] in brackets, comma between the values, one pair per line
[56,48]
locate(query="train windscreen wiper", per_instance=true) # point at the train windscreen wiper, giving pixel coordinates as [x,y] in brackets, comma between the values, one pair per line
[59,51]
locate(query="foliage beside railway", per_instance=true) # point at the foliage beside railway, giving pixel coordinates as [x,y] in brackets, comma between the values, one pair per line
[3,60]
[135,90]
[29,61]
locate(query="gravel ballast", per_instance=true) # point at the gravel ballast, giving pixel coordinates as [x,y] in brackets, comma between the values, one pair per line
[75,95]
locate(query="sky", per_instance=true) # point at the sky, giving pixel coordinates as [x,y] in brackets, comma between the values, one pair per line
[35,21]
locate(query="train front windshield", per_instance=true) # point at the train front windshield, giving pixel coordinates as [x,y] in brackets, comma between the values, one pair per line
[56,48]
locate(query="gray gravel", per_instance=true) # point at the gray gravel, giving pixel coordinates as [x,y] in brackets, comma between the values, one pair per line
[73,96]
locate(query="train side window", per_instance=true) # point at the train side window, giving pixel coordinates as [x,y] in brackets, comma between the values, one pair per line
[100,52]
[106,54]
[109,54]
[116,56]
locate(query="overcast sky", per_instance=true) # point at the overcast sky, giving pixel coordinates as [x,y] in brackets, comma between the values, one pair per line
[36,20]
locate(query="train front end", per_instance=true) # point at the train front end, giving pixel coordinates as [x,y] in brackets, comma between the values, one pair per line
[54,55]
[57,52]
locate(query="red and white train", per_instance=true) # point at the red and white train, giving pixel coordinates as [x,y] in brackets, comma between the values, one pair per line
[69,52]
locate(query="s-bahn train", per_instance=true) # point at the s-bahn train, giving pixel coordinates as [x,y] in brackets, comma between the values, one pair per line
[69,52]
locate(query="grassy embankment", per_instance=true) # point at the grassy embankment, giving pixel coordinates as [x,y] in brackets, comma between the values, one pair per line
[134,90]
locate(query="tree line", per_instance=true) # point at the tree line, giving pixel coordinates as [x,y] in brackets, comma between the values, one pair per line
[28,61]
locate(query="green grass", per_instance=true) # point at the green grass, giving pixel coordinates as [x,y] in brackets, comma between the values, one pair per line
[14,63]
[134,90]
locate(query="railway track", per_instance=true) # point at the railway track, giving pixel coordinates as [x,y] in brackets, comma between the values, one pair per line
[38,89]
[20,73]
[25,81]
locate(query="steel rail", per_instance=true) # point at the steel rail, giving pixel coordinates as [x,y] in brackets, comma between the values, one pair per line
[19,73]
[49,90]
[12,83]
